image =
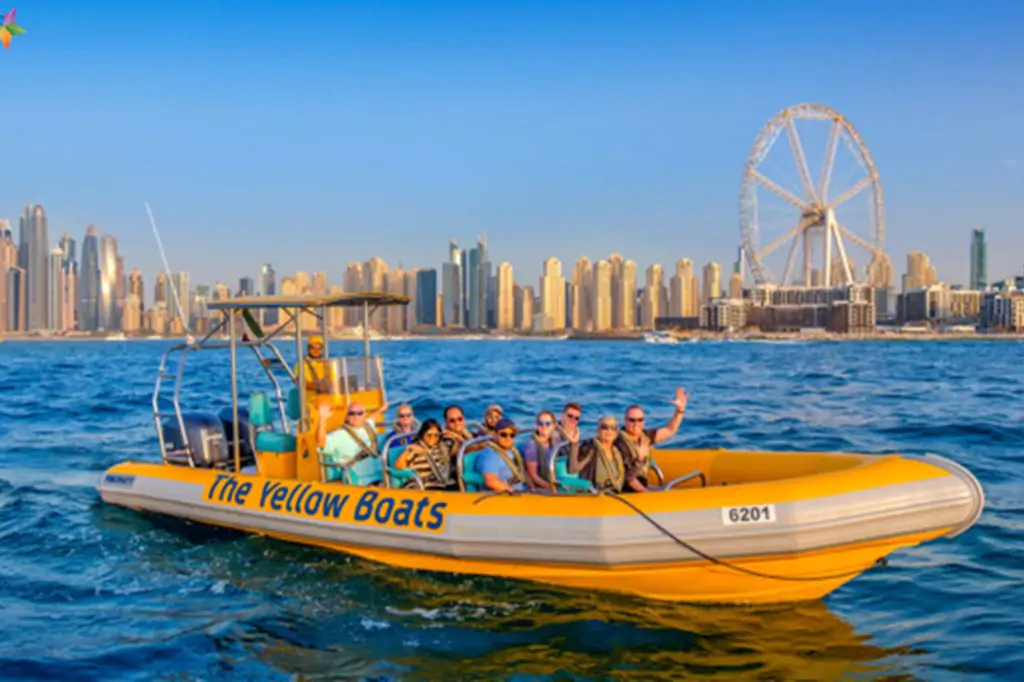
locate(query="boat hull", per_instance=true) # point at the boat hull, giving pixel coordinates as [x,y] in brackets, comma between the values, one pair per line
[753,541]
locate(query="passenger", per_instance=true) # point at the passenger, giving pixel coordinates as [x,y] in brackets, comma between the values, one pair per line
[428,457]
[537,452]
[499,463]
[455,431]
[357,436]
[568,428]
[403,431]
[491,417]
[636,442]
[315,370]
[598,459]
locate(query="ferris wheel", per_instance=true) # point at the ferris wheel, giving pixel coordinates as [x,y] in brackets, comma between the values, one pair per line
[830,229]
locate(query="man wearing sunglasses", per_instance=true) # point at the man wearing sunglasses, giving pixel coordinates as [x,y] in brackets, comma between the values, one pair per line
[491,417]
[568,428]
[403,432]
[500,463]
[356,437]
[635,441]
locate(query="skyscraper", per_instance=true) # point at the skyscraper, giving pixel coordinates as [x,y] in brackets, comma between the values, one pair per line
[654,297]
[67,245]
[33,258]
[920,272]
[161,291]
[623,292]
[179,293]
[712,282]
[394,316]
[426,297]
[375,273]
[506,298]
[453,285]
[552,296]
[55,291]
[108,320]
[581,299]
[979,266]
[268,287]
[137,288]
[353,284]
[456,291]
[8,260]
[245,286]
[89,284]
[600,291]
[408,312]
[477,285]
[684,291]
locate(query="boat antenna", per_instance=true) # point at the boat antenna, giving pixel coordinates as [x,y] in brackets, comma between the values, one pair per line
[189,339]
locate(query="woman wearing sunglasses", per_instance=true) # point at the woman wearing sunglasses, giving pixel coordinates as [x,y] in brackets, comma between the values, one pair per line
[428,457]
[537,452]
[598,459]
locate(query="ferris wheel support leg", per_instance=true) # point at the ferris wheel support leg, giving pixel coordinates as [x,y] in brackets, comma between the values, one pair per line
[828,253]
[834,226]
[792,253]
[808,257]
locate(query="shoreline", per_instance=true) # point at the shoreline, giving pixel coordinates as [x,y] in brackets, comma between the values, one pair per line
[694,337]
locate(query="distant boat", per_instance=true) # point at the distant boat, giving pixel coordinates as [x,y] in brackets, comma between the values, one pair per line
[659,337]
[117,337]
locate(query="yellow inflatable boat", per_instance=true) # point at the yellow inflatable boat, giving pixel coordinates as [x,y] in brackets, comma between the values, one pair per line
[727,527]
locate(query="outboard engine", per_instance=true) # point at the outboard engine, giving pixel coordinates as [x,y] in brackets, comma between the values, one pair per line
[206,439]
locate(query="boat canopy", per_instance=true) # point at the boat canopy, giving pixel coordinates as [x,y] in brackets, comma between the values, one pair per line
[355,300]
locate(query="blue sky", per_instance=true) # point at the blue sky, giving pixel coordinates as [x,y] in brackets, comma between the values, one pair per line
[310,134]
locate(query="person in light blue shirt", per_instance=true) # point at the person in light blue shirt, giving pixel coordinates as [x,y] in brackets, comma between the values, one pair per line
[358,435]
[499,463]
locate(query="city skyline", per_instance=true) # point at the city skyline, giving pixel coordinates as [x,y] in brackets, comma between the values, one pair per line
[577,124]
[608,294]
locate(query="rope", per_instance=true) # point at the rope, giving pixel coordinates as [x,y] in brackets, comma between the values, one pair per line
[881,561]
[725,564]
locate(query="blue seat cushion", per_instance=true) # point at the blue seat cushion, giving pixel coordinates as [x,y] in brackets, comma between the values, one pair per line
[400,477]
[473,481]
[366,471]
[260,411]
[293,408]
[272,441]
[567,480]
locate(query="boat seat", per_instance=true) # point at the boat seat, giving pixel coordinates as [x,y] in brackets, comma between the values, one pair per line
[392,449]
[570,482]
[261,415]
[363,472]
[471,480]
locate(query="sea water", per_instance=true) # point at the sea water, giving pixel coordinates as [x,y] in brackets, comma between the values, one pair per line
[91,591]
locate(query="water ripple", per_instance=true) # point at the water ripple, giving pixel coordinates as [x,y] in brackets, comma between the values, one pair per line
[90,591]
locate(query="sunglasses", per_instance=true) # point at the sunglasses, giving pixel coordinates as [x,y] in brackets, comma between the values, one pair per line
[634,420]
[607,427]
[432,434]
[456,420]
[545,422]
[506,434]
[574,417]
[356,414]
[404,415]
